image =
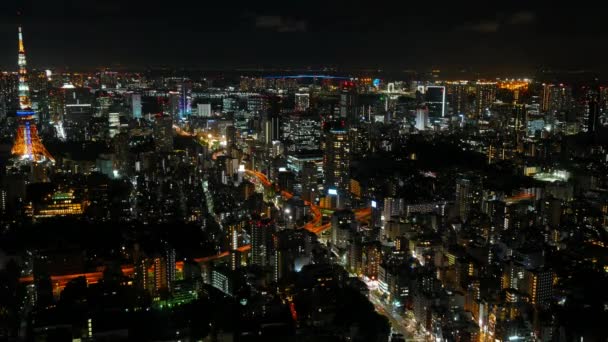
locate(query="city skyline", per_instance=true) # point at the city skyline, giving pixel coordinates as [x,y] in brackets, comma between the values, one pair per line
[141,202]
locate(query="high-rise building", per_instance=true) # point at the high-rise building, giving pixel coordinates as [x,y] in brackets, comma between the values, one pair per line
[163,133]
[9,93]
[604,100]
[27,146]
[203,110]
[435,98]
[136,106]
[261,241]
[271,122]
[302,132]
[422,119]
[485,95]
[113,124]
[557,99]
[468,196]
[591,113]
[457,96]
[309,182]
[348,103]
[184,88]
[519,117]
[230,105]
[342,227]
[302,101]
[539,286]
[336,159]
[222,279]
[393,207]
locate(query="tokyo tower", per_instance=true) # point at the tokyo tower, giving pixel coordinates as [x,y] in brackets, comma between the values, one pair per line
[27,146]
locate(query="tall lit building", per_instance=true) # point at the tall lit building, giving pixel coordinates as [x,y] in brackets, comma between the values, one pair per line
[539,286]
[163,133]
[336,159]
[591,113]
[302,101]
[393,207]
[271,122]
[422,118]
[348,103]
[159,272]
[136,106]
[435,98]
[27,146]
[604,100]
[468,196]
[185,99]
[203,110]
[309,182]
[557,98]
[519,117]
[485,95]
[457,97]
[9,87]
[261,241]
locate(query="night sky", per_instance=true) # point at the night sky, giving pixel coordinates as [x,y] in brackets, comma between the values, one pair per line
[506,36]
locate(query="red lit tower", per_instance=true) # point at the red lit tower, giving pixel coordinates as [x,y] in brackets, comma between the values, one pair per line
[27,146]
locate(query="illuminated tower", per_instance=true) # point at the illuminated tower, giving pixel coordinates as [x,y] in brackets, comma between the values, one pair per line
[185,99]
[27,146]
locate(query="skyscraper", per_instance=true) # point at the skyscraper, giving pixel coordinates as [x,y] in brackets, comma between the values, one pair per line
[468,196]
[591,113]
[9,87]
[485,95]
[457,97]
[163,133]
[271,122]
[302,101]
[348,103]
[336,160]
[519,117]
[136,106]
[27,146]
[435,100]
[261,241]
[422,118]
[185,99]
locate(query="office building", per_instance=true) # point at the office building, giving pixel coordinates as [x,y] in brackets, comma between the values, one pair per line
[136,106]
[336,159]
[591,112]
[302,101]
[485,96]
[261,241]
[468,196]
[435,98]
[457,97]
[184,89]
[163,133]
[203,110]
[422,119]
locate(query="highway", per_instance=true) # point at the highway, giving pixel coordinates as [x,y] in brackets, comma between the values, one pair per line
[399,324]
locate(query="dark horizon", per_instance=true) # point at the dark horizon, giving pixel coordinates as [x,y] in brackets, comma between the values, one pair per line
[488,38]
